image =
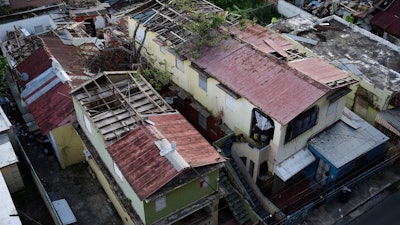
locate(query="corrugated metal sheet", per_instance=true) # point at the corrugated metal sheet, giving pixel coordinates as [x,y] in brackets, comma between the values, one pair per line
[388,20]
[392,117]
[319,70]
[270,84]
[139,159]
[67,55]
[292,165]
[189,143]
[54,106]
[341,143]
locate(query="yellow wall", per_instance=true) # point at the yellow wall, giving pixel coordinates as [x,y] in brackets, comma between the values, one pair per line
[68,144]
[13,178]
[97,141]
[380,100]
[239,120]
[111,195]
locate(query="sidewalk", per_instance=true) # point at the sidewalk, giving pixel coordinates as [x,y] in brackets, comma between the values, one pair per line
[364,196]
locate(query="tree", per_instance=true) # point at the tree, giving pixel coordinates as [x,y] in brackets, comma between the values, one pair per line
[3,72]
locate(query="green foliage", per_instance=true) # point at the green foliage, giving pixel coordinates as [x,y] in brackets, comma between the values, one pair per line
[158,78]
[255,9]
[3,72]
[204,32]
[349,19]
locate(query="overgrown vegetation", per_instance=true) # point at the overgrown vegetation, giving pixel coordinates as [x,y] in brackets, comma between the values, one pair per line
[3,72]
[158,78]
[255,10]
[203,30]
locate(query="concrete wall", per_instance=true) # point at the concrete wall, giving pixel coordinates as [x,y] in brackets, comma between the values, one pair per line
[110,193]
[13,178]
[182,196]
[68,145]
[97,141]
[238,119]
[289,10]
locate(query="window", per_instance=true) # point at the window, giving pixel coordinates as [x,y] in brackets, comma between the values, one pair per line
[204,182]
[139,34]
[179,64]
[203,121]
[301,123]
[332,108]
[262,127]
[118,172]
[162,49]
[251,168]
[87,124]
[39,29]
[161,203]
[203,82]
[230,103]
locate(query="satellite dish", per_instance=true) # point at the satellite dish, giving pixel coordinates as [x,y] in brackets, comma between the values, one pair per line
[24,76]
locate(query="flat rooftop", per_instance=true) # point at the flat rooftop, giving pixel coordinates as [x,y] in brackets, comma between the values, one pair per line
[371,60]
[348,139]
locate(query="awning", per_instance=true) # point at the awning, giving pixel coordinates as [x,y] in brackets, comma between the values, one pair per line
[292,165]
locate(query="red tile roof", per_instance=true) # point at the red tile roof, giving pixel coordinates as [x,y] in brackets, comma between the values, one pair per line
[388,20]
[34,65]
[139,159]
[270,84]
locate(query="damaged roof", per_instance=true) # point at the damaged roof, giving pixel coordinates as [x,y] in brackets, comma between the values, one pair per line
[45,68]
[141,129]
[270,84]
[169,21]
[370,59]
[118,102]
[388,19]
[270,42]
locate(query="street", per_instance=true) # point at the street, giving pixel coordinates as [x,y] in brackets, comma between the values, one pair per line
[386,212]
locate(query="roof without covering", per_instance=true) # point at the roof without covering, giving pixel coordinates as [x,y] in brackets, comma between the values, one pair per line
[371,60]
[270,84]
[247,69]
[388,19]
[119,103]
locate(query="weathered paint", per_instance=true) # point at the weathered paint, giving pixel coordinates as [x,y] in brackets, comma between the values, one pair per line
[69,146]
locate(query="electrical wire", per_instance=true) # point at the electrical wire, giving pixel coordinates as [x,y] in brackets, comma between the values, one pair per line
[349,183]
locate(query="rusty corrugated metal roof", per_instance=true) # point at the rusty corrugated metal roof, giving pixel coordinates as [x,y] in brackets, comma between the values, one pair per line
[189,143]
[322,72]
[270,84]
[138,157]
[388,19]
[70,57]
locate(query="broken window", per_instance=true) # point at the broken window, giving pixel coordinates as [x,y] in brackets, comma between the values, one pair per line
[161,203]
[301,123]
[262,127]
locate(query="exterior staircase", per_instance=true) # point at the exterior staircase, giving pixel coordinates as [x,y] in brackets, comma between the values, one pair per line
[254,202]
[234,200]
